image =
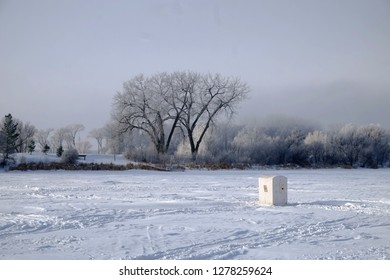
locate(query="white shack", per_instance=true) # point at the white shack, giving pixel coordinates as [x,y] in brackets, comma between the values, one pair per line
[273,190]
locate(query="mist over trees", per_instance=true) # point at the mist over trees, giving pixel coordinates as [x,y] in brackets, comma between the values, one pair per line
[182,117]
[19,137]
[275,143]
[185,117]
[283,142]
[61,138]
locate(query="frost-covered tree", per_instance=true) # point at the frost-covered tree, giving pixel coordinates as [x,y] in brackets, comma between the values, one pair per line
[364,146]
[316,146]
[142,106]
[218,144]
[26,133]
[83,146]
[42,137]
[349,143]
[58,138]
[114,138]
[162,103]
[137,147]
[247,145]
[253,145]
[206,98]
[294,146]
[71,132]
[375,147]
[98,134]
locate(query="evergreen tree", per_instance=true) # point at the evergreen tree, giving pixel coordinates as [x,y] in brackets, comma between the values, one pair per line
[45,149]
[10,136]
[31,146]
[60,151]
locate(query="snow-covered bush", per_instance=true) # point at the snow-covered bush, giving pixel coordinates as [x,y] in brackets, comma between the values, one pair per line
[70,156]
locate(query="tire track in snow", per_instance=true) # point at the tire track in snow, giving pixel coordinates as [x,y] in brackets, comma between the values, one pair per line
[207,250]
[239,242]
[15,224]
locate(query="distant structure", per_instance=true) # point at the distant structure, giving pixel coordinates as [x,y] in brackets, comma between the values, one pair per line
[273,190]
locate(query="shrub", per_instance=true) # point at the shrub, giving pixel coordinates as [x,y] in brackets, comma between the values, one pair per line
[70,156]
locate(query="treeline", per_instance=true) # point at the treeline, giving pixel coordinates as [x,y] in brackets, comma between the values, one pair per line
[300,145]
[17,136]
[180,117]
[177,116]
[285,143]
[282,142]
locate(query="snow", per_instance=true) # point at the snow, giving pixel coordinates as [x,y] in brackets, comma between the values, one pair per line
[196,214]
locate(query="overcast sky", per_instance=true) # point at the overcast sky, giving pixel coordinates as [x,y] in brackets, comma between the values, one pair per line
[61,62]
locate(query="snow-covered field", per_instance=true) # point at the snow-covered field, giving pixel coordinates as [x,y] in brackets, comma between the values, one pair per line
[196,214]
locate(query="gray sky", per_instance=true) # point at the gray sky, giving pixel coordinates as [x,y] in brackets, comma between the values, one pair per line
[61,62]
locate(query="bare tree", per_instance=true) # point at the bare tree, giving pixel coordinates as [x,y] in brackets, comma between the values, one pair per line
[138,147]
[71,133]
[26,133]
[114,137]
[208,97]
[186,100]
[98,135]
[83,147]
[142,105]
[42,137]
[58,138]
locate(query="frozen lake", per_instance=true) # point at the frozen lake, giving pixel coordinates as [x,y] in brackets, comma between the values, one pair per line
[196,214]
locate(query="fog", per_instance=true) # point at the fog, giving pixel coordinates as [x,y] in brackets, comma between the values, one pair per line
[326,105]
[326,61]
